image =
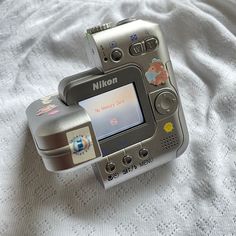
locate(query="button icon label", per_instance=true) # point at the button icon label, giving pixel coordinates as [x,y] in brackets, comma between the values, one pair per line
[133,37]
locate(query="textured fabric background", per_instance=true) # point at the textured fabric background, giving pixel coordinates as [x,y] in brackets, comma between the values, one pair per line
[40,43]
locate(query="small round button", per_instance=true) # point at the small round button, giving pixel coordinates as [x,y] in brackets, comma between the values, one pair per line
[166,103]
[116,55]
[143,153]
[127,159]
[110,167]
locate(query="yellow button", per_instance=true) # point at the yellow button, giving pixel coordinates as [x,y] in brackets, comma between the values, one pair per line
[168,127]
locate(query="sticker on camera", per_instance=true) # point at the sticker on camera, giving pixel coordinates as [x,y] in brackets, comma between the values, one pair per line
[50,109]
[46,100]
[81,145]
[156,73]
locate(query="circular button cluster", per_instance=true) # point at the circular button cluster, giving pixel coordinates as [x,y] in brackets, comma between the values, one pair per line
[110,167]
[143,153]
[116,55]
[127,159]
[166,103]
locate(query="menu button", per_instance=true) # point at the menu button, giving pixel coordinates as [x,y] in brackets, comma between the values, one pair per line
[143,153]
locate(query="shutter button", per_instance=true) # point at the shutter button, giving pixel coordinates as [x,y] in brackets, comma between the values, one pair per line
[125,21]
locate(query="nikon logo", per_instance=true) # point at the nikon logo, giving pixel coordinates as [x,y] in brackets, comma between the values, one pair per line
[104,83]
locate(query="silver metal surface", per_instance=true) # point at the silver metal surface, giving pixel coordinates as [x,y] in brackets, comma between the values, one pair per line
[164,145]
[50,133]
[140,42]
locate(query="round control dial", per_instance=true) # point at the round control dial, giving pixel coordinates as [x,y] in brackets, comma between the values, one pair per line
[99,28]
[166,103]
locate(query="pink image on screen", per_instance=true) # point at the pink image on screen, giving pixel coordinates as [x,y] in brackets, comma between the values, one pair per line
[114,121]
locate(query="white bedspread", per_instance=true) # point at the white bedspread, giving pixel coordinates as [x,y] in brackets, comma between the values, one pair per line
[40,43]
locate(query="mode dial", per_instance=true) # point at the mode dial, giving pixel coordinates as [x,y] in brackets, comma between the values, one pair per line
[99,28]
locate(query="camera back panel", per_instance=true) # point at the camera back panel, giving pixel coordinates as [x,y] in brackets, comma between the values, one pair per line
[124,117]
[141,43]
[117,104]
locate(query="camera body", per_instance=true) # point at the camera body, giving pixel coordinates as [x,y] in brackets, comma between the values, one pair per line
[124,116]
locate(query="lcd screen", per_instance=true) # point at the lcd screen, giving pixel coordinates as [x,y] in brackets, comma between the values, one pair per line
[114,111]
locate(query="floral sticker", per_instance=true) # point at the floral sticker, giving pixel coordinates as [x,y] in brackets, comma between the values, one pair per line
[156,73]
[50,109]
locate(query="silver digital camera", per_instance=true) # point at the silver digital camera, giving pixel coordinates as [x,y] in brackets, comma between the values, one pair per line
[124,116]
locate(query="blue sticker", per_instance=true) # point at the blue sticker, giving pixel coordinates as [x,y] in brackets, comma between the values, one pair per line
[81,143]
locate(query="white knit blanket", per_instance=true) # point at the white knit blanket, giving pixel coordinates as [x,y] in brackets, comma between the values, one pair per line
[41,41]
